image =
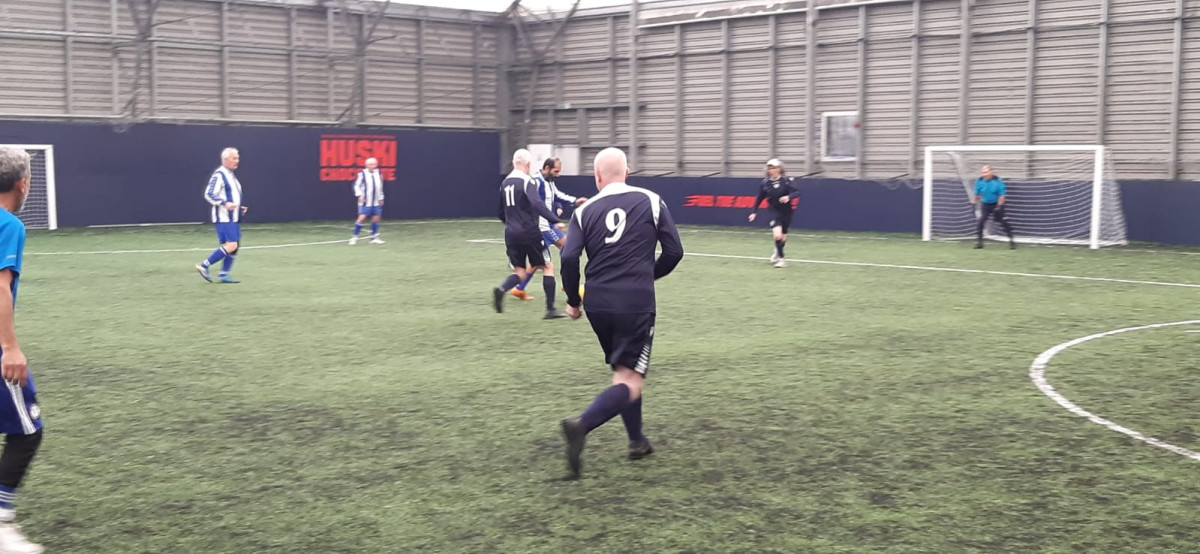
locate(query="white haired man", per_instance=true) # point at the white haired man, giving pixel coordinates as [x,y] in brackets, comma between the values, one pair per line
[520,207]
[368,187]
[20,415]
[224,192]
[620,228]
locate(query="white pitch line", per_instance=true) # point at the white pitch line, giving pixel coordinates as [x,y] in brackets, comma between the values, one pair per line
[1037,372]
[959,270]
[167,250]
[916,239]
[926,268]
[349,226]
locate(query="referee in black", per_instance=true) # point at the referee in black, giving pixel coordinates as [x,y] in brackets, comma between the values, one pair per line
[778,190]
[620,229]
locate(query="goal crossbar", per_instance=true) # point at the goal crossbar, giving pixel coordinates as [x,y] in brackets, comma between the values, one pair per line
[1017,148]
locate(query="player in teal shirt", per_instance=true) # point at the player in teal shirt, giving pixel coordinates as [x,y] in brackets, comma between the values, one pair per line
[990,194]
[20,415]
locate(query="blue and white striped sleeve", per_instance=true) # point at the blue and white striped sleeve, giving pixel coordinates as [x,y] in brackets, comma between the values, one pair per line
[359,188]
[212,192]
[563,197]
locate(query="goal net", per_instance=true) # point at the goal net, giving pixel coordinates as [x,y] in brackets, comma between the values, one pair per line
[1056,194]
[40,211]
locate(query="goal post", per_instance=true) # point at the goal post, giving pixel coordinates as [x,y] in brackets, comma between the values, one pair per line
[1057,194]
[41,207]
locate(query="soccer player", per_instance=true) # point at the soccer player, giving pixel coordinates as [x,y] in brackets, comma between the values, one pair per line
[224,192]
[619,228]
[777,189]
[520,207]
[990,194]
[368,187]
[20,416]
[555,200]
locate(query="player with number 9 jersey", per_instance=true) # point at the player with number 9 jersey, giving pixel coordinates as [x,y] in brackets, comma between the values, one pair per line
[620,229]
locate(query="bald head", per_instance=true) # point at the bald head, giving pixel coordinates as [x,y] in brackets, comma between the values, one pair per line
[611,167]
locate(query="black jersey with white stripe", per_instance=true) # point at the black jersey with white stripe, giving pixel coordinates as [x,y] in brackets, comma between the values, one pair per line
[772,190]
[620,228]
[521,206]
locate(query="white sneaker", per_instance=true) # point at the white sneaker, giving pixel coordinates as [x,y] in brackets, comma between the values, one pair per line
[353,241]
[377,240]
[781,262]
[12,541]
[774,257]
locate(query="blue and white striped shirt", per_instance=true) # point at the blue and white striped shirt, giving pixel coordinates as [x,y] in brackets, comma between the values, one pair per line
[224,187]
[369,187]
[550,194]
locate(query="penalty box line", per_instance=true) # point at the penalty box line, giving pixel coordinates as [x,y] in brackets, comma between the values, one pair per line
[926,268]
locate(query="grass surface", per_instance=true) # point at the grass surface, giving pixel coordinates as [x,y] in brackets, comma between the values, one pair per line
[367,399]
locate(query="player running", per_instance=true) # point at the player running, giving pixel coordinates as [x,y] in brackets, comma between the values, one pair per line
[555,201]
[368,187]
[779,192]
[520,207]
[619,229]
[224,192]
[20,415]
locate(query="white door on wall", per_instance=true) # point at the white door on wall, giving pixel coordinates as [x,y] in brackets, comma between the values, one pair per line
[567,153]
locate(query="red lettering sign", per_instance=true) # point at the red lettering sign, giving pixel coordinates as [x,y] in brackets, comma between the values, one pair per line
[343,156]
[742,202]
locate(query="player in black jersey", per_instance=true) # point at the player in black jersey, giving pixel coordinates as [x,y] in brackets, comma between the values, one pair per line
[620,229]
[779,191]
[520,207]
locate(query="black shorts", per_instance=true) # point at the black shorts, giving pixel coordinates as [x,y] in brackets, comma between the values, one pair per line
[781,220]
[625,337]
[527,253]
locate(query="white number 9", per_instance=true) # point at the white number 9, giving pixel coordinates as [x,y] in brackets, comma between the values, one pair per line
[615,220]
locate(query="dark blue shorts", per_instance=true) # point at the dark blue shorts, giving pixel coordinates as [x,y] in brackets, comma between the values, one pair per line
[19,410]
[626,338]
[229,232]
[525,253]
[376,211]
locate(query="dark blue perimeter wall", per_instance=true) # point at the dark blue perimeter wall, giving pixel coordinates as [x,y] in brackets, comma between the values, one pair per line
[157,173]
[1155,211]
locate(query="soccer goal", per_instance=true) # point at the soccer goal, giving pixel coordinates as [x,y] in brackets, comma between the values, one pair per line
[1056,194]
[40,211]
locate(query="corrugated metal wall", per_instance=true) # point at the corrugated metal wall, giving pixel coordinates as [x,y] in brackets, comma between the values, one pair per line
[720,97]
[288,60]
[713,97]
